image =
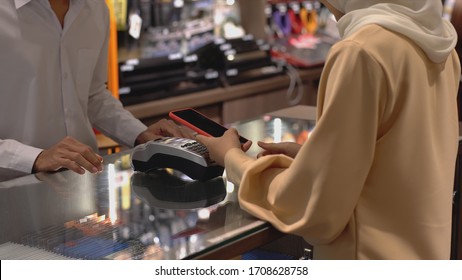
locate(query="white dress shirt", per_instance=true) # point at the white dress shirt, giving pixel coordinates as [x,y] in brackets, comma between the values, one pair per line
[53,80]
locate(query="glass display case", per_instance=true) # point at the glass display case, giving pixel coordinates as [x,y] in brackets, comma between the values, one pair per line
[122,214]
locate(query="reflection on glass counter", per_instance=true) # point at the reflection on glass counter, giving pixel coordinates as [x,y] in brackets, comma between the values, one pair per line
[274,129]
[117,214]
[181,193]
[121,214]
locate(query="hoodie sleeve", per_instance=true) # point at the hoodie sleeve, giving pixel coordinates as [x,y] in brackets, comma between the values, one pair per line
[315,194]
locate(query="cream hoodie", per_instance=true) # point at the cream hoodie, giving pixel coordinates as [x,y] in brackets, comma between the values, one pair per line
[375,179]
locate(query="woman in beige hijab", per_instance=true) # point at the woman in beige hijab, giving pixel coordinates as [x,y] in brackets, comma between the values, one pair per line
[375,179]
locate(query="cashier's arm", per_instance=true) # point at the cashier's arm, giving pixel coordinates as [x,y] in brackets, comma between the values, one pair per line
[71,154]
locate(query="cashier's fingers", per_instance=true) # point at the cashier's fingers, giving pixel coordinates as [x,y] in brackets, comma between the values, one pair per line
[86,159]
[71,154]
[166,127]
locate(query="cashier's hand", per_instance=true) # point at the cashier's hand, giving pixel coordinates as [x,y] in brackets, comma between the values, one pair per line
[286,148]
[162,128]
[219,146]
[71,154]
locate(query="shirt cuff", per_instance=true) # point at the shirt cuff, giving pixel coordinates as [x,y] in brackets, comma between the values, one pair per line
[24,158]
[132,131]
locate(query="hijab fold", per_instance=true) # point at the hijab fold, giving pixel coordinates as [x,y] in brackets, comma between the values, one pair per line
[419,20]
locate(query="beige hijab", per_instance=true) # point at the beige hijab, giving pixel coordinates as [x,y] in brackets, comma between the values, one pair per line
[419,20]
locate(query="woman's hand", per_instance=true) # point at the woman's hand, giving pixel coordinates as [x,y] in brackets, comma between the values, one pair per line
[286,148]
[219,146]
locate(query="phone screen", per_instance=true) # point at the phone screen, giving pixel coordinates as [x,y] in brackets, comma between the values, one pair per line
[200,123]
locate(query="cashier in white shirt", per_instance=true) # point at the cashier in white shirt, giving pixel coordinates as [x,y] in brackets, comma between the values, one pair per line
[53,73]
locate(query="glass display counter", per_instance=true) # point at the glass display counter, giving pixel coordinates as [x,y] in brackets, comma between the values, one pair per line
[121,214]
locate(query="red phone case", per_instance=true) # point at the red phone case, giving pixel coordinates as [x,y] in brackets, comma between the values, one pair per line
[213,124]
[184,122]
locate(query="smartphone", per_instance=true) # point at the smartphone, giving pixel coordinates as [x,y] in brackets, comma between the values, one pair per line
[200,123]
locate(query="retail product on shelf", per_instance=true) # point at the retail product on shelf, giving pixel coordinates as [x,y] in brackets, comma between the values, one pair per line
[239,60]
[301,32]
[218,63]
[143,80]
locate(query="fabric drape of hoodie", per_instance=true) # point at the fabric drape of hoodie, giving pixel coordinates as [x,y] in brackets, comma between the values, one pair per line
[375,178]
[419,20]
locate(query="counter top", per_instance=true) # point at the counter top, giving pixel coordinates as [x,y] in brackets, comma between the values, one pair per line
[122,214]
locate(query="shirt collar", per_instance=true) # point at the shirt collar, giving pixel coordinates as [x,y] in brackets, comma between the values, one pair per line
[20,3]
